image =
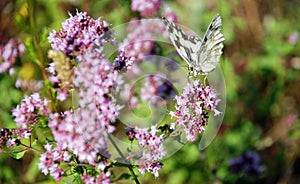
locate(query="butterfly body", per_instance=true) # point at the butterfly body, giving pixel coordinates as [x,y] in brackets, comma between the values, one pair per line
[201,55]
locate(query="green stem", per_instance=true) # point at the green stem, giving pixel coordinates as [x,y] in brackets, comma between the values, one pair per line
[31,148]
[130,167]
[31,10]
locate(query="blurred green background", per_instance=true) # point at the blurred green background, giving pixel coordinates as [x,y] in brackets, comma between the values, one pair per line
[261,65]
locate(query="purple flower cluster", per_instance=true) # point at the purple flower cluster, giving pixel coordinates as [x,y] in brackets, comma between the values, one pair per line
[84,131]
[98,84]
[50,161]
[152,149]
[294,38]
[140,40]
[192,109]
[30,85]
[102,178]
[122,63]
[154,86]
[147,8]
[78,33]
[9,52]
[12,137]
[27,113]
[127,95]
[170,15]
[248,163]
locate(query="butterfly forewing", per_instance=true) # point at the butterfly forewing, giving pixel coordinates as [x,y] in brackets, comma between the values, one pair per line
[201,55]
[185,45]
[211,47]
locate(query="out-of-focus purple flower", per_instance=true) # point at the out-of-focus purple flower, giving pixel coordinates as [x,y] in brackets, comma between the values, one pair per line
[166,90]
[150,88]
[192,109]
[140,40]
[170,15]
[102,178]
[51,159]
[122,63]
[248,163]
[128,96]
[9,52]
[152,149]
[29,85]
[156,86]
[27,113]
[80,32]
[290,119]
[147,8]
[294,38]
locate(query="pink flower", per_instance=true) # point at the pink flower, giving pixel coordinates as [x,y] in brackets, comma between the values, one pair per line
[193,107]
[147,8]
[152,149]
[122,63]
[84,130]
[102,178]
[170,15]
[80,32]
[27,113]
[50,161]
[140,40]
[29,85]
[9,52]
[12,142]
[156,86]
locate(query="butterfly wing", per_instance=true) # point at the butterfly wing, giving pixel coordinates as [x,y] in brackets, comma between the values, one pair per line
[211,47]
[186,46]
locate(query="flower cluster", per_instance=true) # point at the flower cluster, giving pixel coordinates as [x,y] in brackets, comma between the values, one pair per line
[12,137]
[84,131]
[140,40]
[102,178]
[147,8]
[9,52]
[154,86]
[30,85]
[50,161]
[248,163]
[127,96]
[27,113]
[170,15]
[152,149]
[122,63]
[294,38]
[192,108]
[78,33]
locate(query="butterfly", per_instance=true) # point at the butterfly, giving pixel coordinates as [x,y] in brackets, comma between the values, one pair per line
[201,55]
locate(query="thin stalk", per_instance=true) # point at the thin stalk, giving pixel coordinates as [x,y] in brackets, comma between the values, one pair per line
[129,165]
[32,18]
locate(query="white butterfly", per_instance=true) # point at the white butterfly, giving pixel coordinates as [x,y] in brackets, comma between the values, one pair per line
[202,56]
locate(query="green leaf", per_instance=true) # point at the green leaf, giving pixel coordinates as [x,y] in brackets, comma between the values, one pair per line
[18,155]
[125,176]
